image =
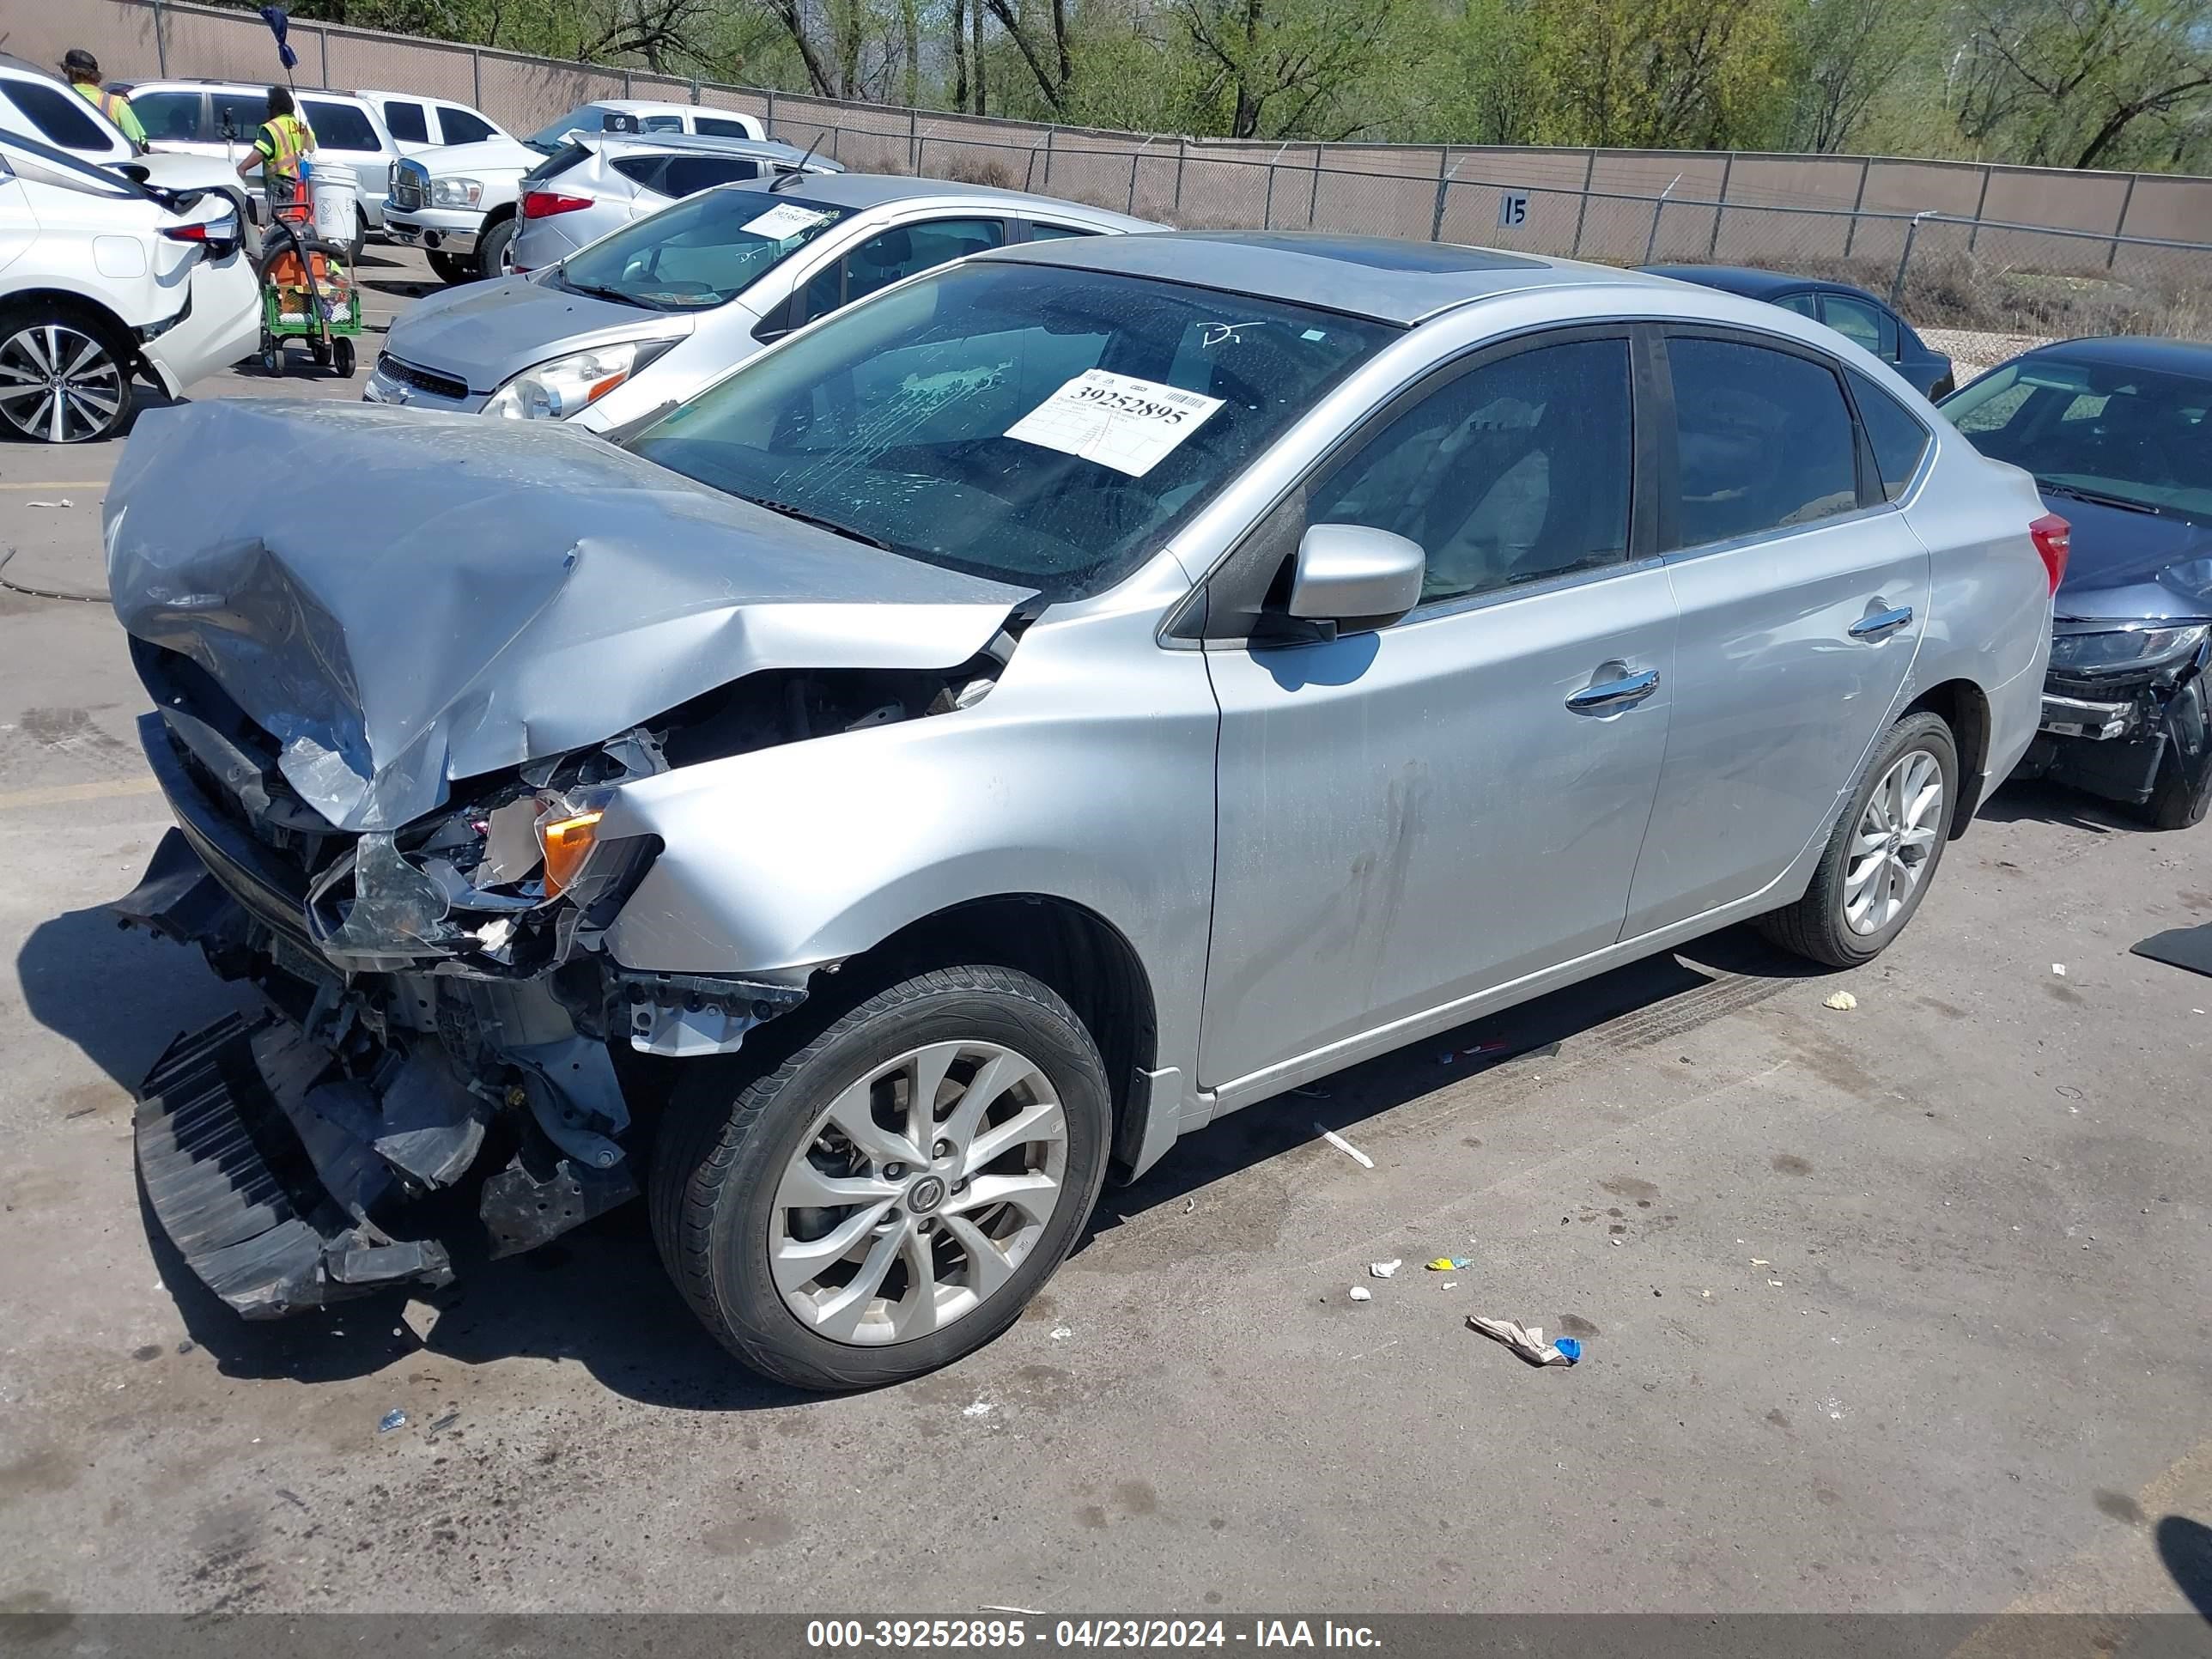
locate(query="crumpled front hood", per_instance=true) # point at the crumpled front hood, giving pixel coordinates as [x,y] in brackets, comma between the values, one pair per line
[487,333]
[403,598]
[2133,566]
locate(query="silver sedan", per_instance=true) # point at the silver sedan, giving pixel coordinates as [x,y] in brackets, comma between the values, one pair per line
[1078,693]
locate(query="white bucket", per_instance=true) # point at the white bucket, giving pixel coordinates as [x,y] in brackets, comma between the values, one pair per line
[334,208]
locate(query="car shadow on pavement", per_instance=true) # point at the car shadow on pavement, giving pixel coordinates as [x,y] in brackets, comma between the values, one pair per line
[2185,1546]
[2036,801]
[1677,991]
[599,1297]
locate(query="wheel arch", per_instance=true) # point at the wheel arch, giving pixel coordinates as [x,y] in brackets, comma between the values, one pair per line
[1084,958]
[1965,707]
[71,298]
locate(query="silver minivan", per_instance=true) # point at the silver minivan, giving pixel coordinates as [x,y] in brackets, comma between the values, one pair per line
[1074,694]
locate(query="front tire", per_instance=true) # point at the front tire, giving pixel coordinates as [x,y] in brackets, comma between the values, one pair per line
[453,269]
[1881,855]
[890,1197]
[2173,805]
[491,250]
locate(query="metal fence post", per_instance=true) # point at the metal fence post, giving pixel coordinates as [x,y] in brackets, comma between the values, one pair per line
[1028,168]
[2121,223]
[768,120]
[160,42]
[323,50]
[1981,203]
[1720,207]
[1851,230]
[1048,133]
[1313,196]
[913,141]
[1267,208]
[1582,208]
[1651,242]
[1135,157]
[1905,259]
[695,88]
[625,82]
[1444,189]
[1177,207]
[476,75]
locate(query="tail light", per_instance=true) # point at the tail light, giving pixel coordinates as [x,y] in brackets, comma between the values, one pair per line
[190,233]
[544,204]
[2054,540]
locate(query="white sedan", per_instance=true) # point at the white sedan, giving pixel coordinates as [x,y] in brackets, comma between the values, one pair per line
[101,280]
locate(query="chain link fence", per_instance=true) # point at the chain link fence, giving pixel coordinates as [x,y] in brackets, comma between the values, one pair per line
[1955,245]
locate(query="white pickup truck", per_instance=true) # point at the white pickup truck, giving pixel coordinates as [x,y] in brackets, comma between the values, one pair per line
[462,205]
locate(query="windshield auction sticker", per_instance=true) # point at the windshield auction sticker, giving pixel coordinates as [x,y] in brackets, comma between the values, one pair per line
[785,220]
[1115,420]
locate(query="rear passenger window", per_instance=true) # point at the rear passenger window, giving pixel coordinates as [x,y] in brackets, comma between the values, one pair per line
[338,126]
[61,117]
[1040,233]
[1860,324]
[717,128]
[1764,438]
[1514,472]
[237,114]
[409,122]
[461,126]
[1898,440]
[687,175]
[168,117]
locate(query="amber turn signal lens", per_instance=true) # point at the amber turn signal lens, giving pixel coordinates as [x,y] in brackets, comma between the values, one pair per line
[568,843]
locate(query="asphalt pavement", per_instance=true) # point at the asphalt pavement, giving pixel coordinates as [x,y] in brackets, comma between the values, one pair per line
[1896,1308]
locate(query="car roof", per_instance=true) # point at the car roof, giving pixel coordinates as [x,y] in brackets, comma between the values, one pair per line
[1757,284]
[2132,351]
[1371,276]
[657,107]
[860,191]
[702,143]
[419,98]
[211,83]
[24,66]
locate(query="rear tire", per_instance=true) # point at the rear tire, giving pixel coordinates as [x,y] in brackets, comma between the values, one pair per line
[751,1169]
[1881,856]
[97,396]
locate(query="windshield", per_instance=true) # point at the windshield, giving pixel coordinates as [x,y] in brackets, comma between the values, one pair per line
[703,251]
[1041,426]
[586,118]
[2128,436]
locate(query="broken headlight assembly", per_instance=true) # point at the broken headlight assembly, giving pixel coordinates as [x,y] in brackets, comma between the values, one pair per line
[2105,650]
[556,389]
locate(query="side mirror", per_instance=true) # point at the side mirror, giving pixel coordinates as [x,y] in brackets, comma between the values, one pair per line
[1355,577]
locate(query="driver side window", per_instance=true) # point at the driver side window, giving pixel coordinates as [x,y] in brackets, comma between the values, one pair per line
[1513,472]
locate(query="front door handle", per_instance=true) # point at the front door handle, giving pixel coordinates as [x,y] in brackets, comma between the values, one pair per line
[1881,624]
[1615,694]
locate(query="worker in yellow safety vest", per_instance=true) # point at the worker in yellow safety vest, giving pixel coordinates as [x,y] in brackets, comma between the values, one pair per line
[279,147]
[83,69]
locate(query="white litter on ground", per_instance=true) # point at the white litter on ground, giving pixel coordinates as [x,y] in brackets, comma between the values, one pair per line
[1361,1293]
[1386,1269]
[1842,1002]
[1345,1146]
[981,1408]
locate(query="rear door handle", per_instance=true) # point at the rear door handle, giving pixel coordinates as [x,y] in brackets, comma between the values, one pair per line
[1881,624]
[1615,694]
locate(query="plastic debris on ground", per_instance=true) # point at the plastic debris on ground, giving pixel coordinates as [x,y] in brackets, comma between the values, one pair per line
[1527,1340]
[1386,1269]
[1062,1333]
[981,1408]
[1448,1264]
[2059,969]
[64,501]
[1345,1146]
[1361,1293]
[394,1419]
[443,1423]
[1841,1001]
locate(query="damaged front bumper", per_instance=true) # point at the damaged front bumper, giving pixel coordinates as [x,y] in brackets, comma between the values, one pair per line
[2113,740]
[319,1149]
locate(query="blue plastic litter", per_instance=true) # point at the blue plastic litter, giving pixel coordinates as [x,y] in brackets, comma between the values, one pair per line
[1568,1346]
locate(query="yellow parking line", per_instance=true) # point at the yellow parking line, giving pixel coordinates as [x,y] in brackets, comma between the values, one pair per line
[55,795]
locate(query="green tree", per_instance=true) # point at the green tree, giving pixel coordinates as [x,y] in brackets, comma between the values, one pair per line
[1658,74]
[2086,83]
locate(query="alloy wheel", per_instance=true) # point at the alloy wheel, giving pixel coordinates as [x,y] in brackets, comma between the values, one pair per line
[1896,835]
[59,384]
[918,1193]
